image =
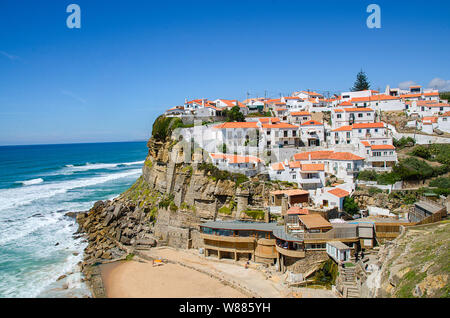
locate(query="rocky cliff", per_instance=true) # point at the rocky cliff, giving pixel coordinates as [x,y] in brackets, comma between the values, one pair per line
[177,191]
[415,264]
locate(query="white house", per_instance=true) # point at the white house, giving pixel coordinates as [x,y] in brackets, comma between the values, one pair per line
[330,197]
[237,133]
[307,176]
[444,122]
[248,165]
[344,165]
[312,133]
[279,134]
[348,116]
[427,108]
[379,157]
[376,133]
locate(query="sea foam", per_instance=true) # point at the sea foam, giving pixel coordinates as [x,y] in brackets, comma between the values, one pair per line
[31,182]
[10,198]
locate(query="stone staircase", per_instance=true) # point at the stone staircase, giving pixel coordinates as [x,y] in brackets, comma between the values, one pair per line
[348,279]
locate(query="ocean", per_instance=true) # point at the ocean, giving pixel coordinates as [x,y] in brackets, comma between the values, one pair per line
[39,184]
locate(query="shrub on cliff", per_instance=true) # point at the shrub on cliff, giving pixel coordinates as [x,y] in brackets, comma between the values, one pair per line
[164,126]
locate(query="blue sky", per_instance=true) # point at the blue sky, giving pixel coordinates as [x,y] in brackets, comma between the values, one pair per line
[131,60]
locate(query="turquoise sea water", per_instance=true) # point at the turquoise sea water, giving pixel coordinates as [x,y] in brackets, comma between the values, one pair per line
[38,185]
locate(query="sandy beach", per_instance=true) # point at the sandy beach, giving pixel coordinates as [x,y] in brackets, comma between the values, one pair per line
[140,279]
[189,275]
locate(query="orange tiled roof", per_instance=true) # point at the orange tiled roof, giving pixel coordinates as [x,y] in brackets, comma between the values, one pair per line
[373,98]
[320,154]
[312,123]
[301,113]
[340,193]
[381,147]
[358,109]
[294,164]
[430,119]
[235,158]
[343,128]
[446,114]
[345,156]
[368,125]
[313,167]
[290,192]
[231,125]
[365,143]
[277,166]
[278,125]
[297,210]
[267,119]
[347,103]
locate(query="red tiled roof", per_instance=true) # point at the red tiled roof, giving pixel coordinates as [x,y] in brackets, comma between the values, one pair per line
[267,119]
[297,210]
[368,125]
[231,125]
[300,114]
[278,125]
[358,109]
[381,147]
[277,166]
[294,164]
[312,123]
[312,167]
[290,192]
[340,193]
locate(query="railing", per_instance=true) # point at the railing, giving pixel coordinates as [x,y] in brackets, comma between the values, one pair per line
[310,181]
[223,238]
[291,253]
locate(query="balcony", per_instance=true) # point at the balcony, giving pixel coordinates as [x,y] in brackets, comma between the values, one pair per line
[310,181]
[392,158]
[291,253]
[222,238]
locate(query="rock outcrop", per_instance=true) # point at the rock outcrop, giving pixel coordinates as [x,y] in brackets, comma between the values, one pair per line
[165,206]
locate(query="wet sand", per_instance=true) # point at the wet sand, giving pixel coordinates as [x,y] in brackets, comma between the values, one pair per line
[143,280]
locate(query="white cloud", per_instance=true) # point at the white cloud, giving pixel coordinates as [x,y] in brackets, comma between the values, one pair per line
[9,56]
[440,84]
[406,84]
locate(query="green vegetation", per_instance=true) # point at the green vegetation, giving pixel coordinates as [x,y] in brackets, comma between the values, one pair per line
[444,95]
[404,142]
[233,114]
[408,169]
[173,207]
[166,201]
[228,209]
[441,182]
[374,190]
[350,206]
[164,126]
[129,257]
[361,83]
[327,273]
[255,214]
[148,163]
[216,174]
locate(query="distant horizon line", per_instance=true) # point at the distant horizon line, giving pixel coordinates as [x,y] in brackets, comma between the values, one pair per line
[73,143]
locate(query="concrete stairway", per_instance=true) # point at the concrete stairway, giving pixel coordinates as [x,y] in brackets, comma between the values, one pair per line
[348,278]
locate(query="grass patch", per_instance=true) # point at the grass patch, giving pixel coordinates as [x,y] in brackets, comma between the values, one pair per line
[255,214]
[129,257]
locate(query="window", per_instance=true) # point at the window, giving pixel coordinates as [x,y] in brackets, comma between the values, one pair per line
[294,133]
[360,115]
[285,133]
[268,132]
[376,129]
[360,130]
[339,116]
[294,176]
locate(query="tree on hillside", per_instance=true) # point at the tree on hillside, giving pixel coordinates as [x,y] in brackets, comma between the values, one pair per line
[234,114]
[350,206]
[361,83]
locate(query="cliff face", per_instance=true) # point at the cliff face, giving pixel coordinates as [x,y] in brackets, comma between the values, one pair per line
[415,264]
[165,206]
